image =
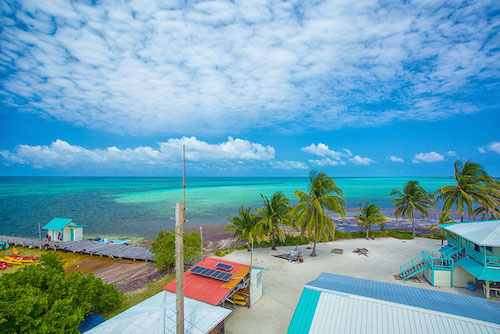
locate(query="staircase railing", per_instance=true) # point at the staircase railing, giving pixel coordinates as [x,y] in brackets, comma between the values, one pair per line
[437,260]
[408,265]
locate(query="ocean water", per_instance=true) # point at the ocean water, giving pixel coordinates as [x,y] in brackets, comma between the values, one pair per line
[140,207]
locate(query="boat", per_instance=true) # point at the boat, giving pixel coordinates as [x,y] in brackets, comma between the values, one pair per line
[24,261]
[240,302]
[112,241]
[23,257]
[238,297]
[5,264]
[2,268]
[11,261]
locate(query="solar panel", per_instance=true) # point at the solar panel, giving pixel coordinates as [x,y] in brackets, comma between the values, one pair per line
[207,272]
[224,266]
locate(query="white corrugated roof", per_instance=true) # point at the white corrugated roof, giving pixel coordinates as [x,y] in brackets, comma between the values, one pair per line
[481,233]
[157,315]
[344,313]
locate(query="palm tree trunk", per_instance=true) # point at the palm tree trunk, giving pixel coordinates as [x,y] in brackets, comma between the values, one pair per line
[248,245]
[273,242]
[313,253]
[461,217]
[367,232]
[412,226]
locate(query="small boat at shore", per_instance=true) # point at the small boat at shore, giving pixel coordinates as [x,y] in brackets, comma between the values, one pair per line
[112,241]
[22,257]
[11,261]
[5,264]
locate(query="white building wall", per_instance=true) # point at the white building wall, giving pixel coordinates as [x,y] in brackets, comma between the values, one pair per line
[461,277]
[66,234]
[428,275]
[78,233]
[442,278]
[256,285]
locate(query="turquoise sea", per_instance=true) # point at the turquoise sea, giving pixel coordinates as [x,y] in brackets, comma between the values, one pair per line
[140,206]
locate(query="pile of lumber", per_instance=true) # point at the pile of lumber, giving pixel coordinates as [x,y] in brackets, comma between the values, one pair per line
[360,251]
[337,251]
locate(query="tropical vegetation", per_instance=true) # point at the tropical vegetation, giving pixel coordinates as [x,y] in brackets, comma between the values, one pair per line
[164,249]
[42,298]
[275,212]
[243,226]
[412,199]
[309,215]
[369,215]
[473,186]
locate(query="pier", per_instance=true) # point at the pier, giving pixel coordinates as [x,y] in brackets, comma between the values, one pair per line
[94,248]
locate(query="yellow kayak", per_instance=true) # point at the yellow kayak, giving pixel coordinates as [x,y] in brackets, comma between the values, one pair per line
[240,302]
[238,297]
[11,261]
[23,260]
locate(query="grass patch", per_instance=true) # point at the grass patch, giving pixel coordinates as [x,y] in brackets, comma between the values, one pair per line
[134,297]
[405,235]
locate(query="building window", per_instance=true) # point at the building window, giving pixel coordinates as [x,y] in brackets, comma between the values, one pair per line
[489,249]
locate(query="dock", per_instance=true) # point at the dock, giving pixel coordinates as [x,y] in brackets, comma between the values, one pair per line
[94,248]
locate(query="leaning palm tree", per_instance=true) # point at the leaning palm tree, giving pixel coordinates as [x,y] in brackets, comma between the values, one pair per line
[413,198]
[472,186]
[274,213]
[243,226]
[309,215]
[369,215]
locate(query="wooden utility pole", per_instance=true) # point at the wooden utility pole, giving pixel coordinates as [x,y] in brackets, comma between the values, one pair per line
[180,219]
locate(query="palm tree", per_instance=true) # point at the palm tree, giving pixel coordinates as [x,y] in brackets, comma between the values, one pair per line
[413,198]
[243,225]
[274,213]
[444,218]
[309,214]
[472,186]
[369,215]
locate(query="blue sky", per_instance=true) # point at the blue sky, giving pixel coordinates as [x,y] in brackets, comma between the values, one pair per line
[257,88]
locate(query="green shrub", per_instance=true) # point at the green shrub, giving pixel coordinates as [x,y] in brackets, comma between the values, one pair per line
[406,235]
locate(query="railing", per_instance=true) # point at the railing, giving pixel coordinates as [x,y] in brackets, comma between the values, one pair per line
[436,260]
[411,263]
[475,255]
[493,261]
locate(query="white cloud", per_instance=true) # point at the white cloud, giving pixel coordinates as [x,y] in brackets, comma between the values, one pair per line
[287,164]
[494,146]
[481,149]
[323,150]
[326,162]
[394,158]
[64,155]
[428,157]
[451,153]
[357,160]
[149,67]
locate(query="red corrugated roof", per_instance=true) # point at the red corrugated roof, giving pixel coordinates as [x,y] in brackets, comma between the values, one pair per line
[205,289]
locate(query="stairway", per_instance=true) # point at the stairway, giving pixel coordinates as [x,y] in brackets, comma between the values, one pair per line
[413,269]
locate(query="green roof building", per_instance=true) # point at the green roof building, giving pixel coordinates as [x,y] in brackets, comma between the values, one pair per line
[472,254]
[62,229]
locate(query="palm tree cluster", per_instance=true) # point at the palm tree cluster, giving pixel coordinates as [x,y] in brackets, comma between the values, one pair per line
[474,190]
[308,216]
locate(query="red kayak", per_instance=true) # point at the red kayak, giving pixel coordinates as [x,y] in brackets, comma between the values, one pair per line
[5,264]
[2,268]
[22,257]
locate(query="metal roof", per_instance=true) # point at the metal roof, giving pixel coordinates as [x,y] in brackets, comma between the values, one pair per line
[485,233]
[57,224]
[459,305]
[478,270]
[345,313]
[157,315]
[210,290]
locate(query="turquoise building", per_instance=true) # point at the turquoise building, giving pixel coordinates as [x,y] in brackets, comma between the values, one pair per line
[62,229]
[472,254]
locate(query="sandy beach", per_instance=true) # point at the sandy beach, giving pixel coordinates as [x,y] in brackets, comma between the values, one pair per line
[283,281]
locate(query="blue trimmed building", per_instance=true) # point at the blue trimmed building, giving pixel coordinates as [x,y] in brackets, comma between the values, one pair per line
[62,229]
[472,254]
[342,304]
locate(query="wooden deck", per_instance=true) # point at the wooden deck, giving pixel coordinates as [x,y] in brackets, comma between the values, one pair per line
[120,251]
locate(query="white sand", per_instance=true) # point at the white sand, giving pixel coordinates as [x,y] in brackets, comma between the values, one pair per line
[283,280]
